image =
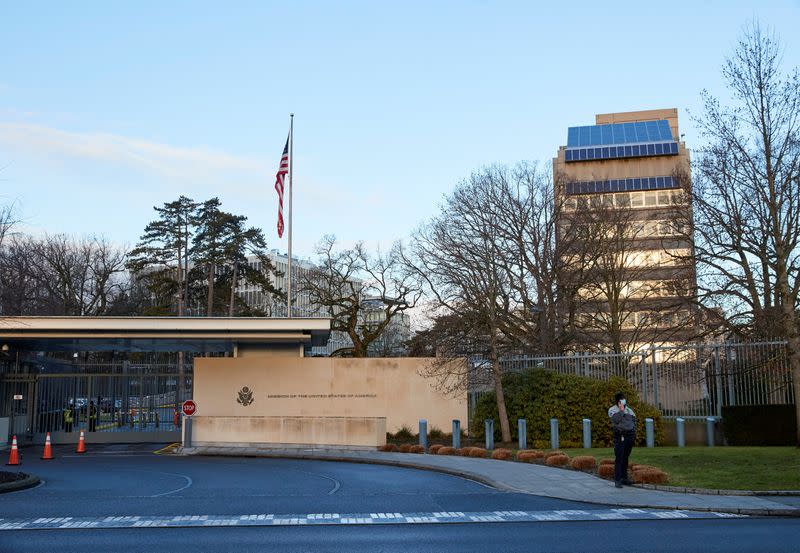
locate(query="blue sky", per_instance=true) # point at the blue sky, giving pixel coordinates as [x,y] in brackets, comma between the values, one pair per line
[109,108]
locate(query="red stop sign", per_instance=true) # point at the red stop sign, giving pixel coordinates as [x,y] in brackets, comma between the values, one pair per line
[189,407]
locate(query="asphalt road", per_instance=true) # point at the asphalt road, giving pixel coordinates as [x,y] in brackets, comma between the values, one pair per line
[119,481]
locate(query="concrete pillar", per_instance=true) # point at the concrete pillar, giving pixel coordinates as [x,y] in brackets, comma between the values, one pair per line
[554,441]
[680,431]
[587,433]
[710,430]
[423,434]
[456,433]
[522,431]
[489,431]
[649,429]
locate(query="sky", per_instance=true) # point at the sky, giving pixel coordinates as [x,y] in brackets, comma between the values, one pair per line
[110,108]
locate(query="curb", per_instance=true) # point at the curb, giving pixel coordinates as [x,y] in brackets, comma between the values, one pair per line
[29,482]
[481,479]
[709,491]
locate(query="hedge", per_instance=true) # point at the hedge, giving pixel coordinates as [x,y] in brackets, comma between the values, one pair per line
[760,424]
[538,395]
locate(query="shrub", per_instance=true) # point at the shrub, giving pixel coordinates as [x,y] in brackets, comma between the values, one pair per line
[529,455]
[650,476]
[557,460]
[759,424]
[446,450]
[538,395]
[436,433]
[477,452]
[388,447]
[405,448]
[417,449]
[502,454]
[608,462]
[583,462]
[636,468]
[405,434]
[434,449]
[605,471]
[554,452]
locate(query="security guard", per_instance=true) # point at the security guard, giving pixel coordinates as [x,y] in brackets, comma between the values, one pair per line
[68,418]
[92,417]
[623,423]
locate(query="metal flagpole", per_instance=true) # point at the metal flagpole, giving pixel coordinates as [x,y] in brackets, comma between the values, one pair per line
[289,265]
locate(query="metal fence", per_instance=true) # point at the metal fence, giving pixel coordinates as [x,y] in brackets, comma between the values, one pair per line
[692,380]
[123,397]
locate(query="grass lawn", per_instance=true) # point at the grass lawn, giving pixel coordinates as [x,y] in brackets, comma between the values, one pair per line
[728,468]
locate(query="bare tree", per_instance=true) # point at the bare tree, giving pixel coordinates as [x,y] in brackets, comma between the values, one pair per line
[59,275]
[746,197]
[633,289]
[9,217]
[361,292]
[456,255]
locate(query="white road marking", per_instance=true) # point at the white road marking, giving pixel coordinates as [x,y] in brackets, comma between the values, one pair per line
[441,517]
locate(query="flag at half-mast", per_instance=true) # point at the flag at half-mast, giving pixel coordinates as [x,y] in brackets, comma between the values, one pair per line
[280,177]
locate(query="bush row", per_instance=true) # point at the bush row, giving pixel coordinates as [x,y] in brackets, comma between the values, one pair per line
[640,474]
[538,395]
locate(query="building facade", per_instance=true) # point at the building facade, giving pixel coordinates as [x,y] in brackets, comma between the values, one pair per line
[621,187]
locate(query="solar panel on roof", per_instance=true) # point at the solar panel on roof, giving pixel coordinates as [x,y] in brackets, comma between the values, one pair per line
[619,133]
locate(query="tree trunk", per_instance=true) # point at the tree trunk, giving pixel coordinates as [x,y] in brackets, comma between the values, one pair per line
[505,430]
[210,306]
[233,289]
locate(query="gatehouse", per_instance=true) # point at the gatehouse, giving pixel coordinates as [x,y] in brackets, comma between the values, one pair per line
[123,379]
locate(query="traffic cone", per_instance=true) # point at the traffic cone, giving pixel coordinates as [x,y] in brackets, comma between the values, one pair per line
[13,458]
[48,450]
[81,444]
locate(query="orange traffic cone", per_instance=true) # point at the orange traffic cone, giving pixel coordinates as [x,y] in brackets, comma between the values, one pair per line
[81,444]
[13,458]
[48,450]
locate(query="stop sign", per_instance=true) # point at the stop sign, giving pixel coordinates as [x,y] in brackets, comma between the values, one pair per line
[189,407]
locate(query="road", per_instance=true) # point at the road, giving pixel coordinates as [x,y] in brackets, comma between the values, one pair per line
[111,484]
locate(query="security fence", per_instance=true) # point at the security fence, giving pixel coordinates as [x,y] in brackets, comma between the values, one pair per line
[692,380]
[119,397]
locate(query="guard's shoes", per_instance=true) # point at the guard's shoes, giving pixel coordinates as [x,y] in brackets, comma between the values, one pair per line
[617,484]
[627,482]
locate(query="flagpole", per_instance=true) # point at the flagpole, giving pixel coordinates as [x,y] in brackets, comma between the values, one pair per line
[289,266]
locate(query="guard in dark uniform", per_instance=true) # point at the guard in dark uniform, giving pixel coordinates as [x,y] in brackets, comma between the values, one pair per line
[92,417]
[623,422]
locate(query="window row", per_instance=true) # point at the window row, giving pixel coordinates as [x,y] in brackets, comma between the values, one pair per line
[636,320]
[642,259]
[615,152]
[640,289]
[620,185]
[659,198]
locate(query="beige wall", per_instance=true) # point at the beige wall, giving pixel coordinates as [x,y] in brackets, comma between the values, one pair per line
[310,431]
[324,387]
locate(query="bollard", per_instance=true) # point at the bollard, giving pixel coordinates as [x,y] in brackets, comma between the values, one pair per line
[710,430]
[456,434]
[554,434]
[522,431]
[680,431]
[489,430]
[187,432]
[423,434]
[587,433]
[650,432]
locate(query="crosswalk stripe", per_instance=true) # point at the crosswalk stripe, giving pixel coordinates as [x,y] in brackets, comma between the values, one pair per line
[440,517]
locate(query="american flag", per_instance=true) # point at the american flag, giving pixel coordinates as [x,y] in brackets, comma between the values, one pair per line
[279,178]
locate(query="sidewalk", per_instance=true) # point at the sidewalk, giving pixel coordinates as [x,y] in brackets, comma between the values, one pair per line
[529,478]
